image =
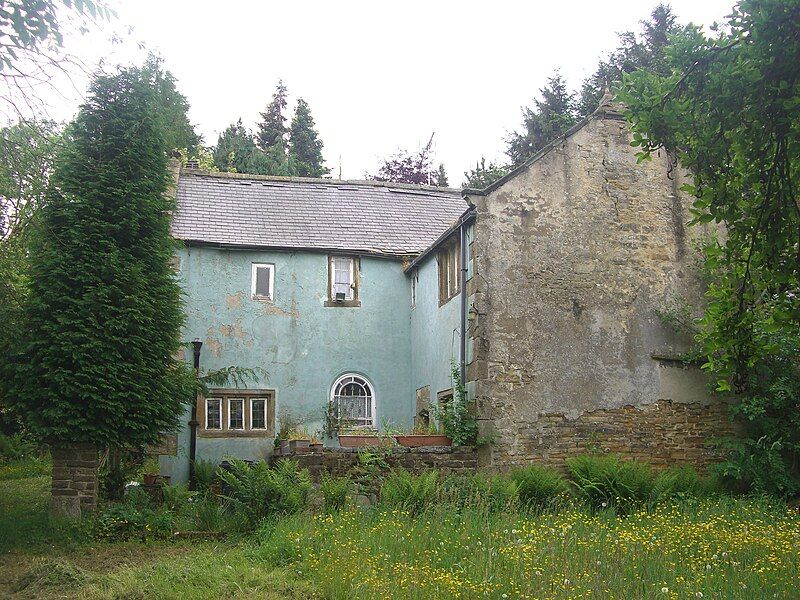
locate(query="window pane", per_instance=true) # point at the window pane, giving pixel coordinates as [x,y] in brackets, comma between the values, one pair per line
[213,413]
[259,416]
[262,282]
[236,413]
[342,276]
[353,399]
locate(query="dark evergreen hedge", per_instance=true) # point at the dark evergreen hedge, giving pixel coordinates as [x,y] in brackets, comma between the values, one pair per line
[95,361]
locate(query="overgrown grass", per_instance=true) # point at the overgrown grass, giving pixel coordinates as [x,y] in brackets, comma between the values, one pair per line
[24,519]
[721,548]
[430,537]
[32,466]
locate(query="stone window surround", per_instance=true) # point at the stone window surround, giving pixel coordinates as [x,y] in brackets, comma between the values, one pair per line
[448,267]
[225,395]
[355,302]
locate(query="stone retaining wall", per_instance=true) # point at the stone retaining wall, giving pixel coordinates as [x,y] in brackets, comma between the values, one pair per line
[663,434]
[340,461]
[75,480]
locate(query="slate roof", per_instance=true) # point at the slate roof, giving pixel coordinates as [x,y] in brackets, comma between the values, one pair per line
[280,212]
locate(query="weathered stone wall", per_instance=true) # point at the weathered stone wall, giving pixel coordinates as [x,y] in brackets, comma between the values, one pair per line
[573,256]
[340,461]
[75,479]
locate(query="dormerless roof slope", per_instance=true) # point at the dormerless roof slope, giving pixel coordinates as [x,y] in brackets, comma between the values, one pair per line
[279,212]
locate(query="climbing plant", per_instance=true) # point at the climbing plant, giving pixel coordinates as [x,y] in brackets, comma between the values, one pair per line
[728,110]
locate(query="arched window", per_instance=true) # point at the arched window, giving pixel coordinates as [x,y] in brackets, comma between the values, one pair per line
[354,401]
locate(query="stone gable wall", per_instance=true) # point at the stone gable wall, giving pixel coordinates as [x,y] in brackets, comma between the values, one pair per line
[572,258]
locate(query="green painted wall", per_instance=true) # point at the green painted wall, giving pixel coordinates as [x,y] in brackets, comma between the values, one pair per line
[435,330]
[302,344]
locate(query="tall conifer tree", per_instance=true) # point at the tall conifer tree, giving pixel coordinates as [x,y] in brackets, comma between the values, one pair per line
[551,116]
[305,147]
[96,359]
[272,129]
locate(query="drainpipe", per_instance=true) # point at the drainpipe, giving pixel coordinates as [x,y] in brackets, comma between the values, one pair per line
[197,344]
[462,350]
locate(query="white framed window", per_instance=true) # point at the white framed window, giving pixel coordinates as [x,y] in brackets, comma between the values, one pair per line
[449,260]
[414,280]
[342,278]
[262,281]
[213,413]
[236,413]
[258,413]
[353,399]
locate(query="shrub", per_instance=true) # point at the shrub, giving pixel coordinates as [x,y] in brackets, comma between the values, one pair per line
[205,475]
[17,446]
[176,497]
[607,481]
[410,492]
[334,492]
[489,493]
[502,493]
[681,482]
[259,491]
[133,519]
[539,487]
[208,515]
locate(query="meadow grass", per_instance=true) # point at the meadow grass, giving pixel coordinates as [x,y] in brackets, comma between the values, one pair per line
[722,548]
[713,548]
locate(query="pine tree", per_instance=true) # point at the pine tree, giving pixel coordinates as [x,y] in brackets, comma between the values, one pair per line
[272,128]
[645,51]
[551,116]
[172,107]
[236,151]
[483,175]
[96,359]
[441,177]
[305,147]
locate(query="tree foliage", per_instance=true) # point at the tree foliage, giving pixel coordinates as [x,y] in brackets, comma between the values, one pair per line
[305,147]
[643,51]
[559,109]
[550,117]
[27,152]
[272,133]
[483,175]
[96,358]
[236,151]
[172,107]
[729,110]
[417,168]
[32,53]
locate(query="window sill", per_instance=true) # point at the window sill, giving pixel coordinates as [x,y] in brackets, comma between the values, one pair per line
[235,433]
[261,298]
[446,300]
[343,304]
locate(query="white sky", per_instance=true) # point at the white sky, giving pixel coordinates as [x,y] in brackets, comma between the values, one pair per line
[379,76]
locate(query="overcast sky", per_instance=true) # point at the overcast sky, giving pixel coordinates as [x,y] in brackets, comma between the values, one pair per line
[379,76]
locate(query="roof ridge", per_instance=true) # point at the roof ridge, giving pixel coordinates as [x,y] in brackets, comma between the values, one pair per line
[319,180]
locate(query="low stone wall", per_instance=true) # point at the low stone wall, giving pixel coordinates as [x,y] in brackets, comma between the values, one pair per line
[75,479]
[663,434]
[340,461]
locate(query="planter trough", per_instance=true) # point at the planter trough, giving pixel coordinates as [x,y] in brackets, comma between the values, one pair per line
[359,441]
[415,441]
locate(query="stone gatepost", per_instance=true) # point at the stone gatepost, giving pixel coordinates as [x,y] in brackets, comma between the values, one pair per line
[75,480]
